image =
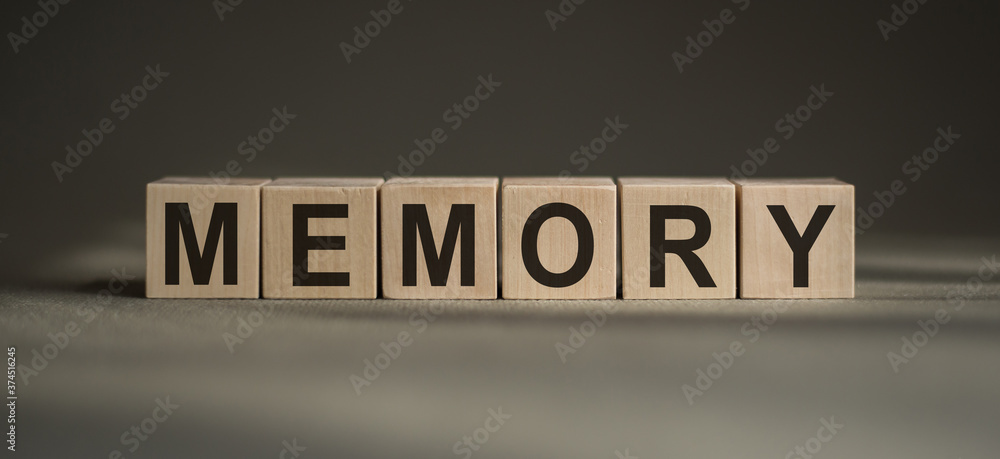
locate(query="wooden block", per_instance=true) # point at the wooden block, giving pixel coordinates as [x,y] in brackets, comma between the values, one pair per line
[813,216]
[203,238]
[678,238]
[559,238]
[439,237]
[320,237]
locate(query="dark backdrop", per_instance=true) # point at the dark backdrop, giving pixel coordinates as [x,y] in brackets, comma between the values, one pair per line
[606,59]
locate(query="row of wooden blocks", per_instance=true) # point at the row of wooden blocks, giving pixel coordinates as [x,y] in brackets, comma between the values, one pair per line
[320,238]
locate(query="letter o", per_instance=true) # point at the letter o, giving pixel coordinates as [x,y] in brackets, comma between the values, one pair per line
[931,155]
[594,145]
[774,316]
[384,358]
[417,157]
[584,238]
[718,371]
[813,449]
[707,34]
[45,19]
[151,423]
[800,116]
[974,284]
[876,209]
[84,148]
[268,133]
[136,91]
[476,435]
[53,348]
[373,33]
[255,317]
[471,103]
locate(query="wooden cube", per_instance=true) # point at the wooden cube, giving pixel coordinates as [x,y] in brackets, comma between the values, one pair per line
[203,238]
[439,238]
[559,238]
[320,237]
[796,238]
[678,238]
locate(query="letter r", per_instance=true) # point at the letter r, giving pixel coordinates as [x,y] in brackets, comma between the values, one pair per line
[683,248]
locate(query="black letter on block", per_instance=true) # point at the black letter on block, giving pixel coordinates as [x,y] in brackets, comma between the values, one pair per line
[178,220]
[438,266]
[302,243]
[800,245]
[584,249]
[683,248]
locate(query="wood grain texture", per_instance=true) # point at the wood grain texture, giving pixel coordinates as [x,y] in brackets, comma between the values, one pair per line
[717,198]
[557,237]
[357,257]
[766,258]
[201,195]
[439,195]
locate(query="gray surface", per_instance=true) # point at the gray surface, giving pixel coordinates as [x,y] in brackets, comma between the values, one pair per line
[622,389]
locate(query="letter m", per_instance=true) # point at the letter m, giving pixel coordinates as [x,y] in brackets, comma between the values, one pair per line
[178,223]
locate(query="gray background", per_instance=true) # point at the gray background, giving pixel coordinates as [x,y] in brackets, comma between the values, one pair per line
[622,390]
[607,59]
